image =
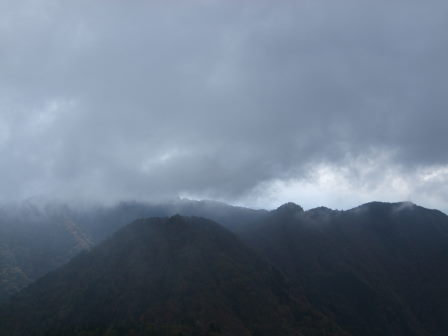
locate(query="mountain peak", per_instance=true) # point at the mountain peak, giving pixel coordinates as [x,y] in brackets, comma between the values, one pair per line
[320,211]
[289,208]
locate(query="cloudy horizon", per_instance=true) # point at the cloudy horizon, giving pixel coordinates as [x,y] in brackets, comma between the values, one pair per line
[254,103]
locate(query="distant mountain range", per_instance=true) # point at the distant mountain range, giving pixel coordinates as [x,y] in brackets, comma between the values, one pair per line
[378,269]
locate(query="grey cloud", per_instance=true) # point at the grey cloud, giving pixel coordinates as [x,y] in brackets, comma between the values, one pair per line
[149,99]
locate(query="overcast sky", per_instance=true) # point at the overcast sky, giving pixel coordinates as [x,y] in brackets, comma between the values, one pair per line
[319,102]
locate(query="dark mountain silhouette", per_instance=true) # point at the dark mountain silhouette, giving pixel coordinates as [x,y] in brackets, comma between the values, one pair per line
[164,276]
[379,269]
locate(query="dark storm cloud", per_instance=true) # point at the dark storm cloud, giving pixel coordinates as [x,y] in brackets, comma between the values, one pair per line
[149,99]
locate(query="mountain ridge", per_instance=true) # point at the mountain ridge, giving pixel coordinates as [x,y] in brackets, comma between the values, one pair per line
[376,269]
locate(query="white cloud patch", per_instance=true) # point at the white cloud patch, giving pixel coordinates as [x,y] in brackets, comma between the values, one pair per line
[343,188]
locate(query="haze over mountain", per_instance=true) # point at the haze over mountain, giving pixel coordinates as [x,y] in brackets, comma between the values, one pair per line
[36,238]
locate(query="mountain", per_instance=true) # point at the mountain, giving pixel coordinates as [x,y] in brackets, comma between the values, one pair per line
[378,269]
[36,238]
[164,276]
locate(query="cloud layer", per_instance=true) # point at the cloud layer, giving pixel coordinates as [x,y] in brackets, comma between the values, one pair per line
[233,100]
